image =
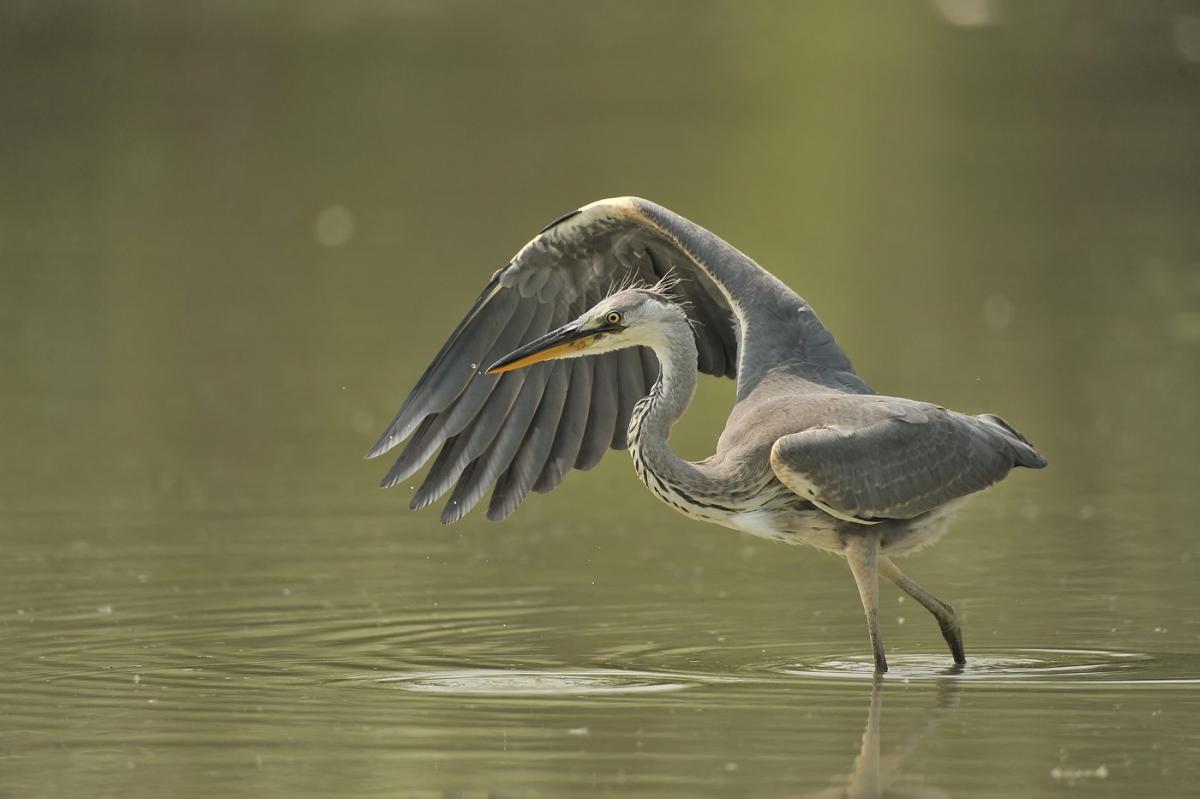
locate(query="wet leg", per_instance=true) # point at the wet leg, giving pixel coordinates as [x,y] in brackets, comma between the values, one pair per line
[946,617]
[862,553]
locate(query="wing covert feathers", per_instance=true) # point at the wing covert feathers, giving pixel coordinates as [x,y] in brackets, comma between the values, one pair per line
[887,458]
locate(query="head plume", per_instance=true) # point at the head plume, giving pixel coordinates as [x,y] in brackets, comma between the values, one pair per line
[666,289]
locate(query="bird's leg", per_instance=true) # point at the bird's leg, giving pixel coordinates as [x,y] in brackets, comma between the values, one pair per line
[862,553]
[946,617]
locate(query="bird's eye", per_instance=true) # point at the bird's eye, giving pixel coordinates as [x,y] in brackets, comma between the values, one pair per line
[614,318]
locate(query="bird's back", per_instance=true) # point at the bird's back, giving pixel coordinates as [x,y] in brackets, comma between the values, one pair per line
[864,456]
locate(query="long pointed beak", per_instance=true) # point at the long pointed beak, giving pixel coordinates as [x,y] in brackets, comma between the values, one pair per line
[566,340]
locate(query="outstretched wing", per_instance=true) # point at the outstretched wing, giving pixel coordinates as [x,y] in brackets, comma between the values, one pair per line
[884,458]
[523,430]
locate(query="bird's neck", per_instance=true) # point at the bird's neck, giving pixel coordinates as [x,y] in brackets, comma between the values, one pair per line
[654,415]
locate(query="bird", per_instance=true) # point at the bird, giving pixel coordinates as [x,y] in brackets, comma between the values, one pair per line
[592,338]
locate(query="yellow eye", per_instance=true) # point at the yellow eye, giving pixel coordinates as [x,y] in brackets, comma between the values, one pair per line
[614,318]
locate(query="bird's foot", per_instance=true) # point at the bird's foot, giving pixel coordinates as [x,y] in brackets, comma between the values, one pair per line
[952,632]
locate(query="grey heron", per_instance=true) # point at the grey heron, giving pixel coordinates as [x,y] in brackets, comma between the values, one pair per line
[552,367]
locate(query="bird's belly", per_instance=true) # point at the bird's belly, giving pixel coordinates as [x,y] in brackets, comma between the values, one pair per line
[814,528]
[818,529]
[918,533]
[759,523]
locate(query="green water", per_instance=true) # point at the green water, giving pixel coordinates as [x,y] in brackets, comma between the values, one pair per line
[232,235]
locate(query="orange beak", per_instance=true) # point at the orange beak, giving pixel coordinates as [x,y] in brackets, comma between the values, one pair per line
[566,340]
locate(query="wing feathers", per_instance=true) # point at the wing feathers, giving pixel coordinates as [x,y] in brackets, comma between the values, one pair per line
[526,466]
[476,432]
[602,415]
[471,488]
[571,426]
[451,370]
[524,430]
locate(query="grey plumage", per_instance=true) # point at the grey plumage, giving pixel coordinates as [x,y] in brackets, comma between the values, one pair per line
[810,454]
[876,458]
[555,277]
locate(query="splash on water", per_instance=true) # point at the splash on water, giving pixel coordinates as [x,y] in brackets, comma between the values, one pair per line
[527,682]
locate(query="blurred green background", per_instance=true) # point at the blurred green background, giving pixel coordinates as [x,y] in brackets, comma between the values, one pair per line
[232,234]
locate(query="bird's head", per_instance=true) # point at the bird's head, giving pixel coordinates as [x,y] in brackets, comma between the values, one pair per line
[628,318]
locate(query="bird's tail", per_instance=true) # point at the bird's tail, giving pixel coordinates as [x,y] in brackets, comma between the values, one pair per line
[1025,454]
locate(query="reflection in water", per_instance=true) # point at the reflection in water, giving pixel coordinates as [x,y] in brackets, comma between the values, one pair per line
[875,775]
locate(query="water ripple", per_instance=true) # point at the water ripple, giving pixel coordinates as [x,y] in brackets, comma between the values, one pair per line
[1089,667]
[517,682]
